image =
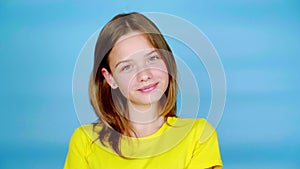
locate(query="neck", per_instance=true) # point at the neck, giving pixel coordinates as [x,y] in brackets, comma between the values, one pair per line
[145,119]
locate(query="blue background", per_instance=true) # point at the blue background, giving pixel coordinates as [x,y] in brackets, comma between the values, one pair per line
[257,41]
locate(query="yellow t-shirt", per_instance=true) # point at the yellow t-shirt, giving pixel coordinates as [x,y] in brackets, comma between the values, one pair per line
[180,144]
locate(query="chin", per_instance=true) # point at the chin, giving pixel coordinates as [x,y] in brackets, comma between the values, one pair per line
[147,100]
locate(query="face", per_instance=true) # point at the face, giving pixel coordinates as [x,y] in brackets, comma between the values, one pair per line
[137,69]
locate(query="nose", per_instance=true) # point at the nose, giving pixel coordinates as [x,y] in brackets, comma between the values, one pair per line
[144,75]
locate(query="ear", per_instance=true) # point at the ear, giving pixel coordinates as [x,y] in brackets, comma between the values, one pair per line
[109,78]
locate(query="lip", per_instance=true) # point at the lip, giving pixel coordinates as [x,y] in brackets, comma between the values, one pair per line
[148,88]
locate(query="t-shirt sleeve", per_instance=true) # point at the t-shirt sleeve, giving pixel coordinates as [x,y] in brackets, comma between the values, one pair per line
[206,153]
[76,157]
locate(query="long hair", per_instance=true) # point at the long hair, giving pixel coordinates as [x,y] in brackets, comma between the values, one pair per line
[109,104]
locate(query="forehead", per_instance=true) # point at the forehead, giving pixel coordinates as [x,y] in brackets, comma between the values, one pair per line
[128,45]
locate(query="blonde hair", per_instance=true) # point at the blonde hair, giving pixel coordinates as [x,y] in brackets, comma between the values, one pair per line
[110,105]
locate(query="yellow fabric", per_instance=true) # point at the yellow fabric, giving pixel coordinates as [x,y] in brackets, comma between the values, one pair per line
[180,144]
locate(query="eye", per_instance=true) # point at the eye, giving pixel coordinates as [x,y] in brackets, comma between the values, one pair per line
[126,68]
[154,58]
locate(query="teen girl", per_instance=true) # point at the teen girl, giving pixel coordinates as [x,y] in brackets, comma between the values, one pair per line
[133,90]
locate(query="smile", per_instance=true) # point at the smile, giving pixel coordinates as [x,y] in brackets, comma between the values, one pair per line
[148,88]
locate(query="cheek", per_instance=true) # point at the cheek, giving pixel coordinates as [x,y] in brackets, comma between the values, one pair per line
[125,82]
[165,77]
[162,71]
[162,67]
[163,74]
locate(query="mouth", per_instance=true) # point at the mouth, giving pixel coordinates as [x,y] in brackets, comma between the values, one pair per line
[148,88]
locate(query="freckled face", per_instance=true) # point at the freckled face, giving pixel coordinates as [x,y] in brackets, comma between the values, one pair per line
[138,69]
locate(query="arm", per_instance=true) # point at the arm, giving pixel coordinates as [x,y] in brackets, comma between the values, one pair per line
[76,157]
[206,154]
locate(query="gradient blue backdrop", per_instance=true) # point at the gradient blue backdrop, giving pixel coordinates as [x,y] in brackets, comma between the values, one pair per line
[257,41]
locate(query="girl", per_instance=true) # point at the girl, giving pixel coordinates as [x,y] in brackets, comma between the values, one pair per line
[133,90]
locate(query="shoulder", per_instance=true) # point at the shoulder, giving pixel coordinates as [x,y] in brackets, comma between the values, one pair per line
[84,134]
[199,123]
[83,129]
[198,127]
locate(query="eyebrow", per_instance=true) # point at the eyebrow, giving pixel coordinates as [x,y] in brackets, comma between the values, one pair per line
[128,60]
[123,61]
